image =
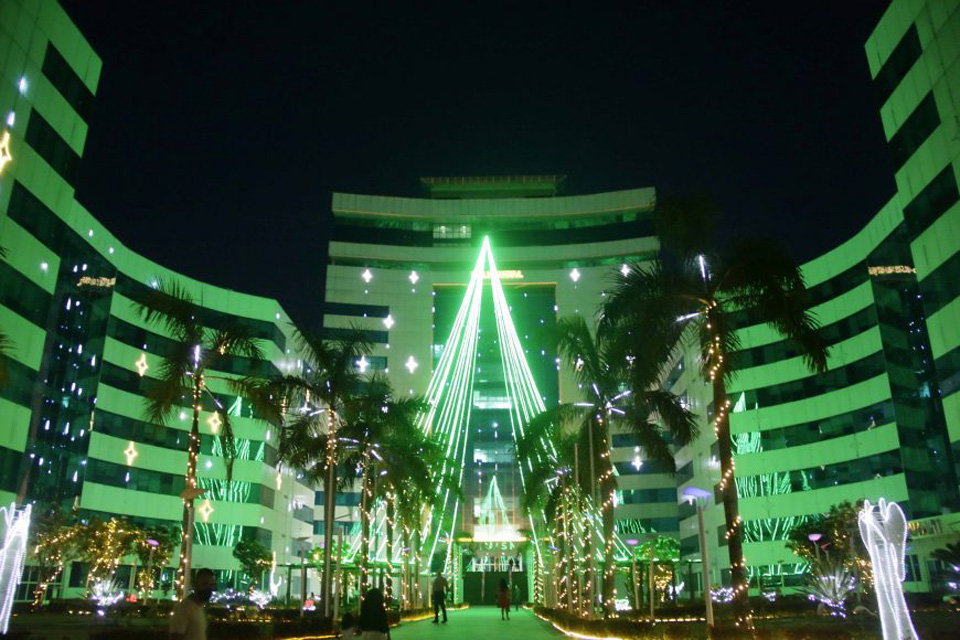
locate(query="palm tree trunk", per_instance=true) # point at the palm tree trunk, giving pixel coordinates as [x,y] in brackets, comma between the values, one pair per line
[363,561]
[329,516]
[731,502]
[609,574]
[186,540]
[390,513]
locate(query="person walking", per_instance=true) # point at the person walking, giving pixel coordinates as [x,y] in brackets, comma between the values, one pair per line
[373,617]
[188,621]
[516,595]
[503,599]
[439,596]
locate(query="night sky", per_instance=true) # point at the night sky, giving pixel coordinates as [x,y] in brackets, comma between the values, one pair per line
[221,129]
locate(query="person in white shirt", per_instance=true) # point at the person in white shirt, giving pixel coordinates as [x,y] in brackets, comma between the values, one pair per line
[189,622]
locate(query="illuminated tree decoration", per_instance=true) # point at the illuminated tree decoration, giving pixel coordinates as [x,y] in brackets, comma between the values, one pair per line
[16,530]
[5,155]
[106,593]
[142,365]
[131,453]
[884,532]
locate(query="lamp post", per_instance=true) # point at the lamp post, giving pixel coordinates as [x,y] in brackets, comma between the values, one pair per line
[815,539]
[695,494]
[303,540]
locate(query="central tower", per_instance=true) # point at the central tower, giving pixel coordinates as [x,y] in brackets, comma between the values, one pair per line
[480,396]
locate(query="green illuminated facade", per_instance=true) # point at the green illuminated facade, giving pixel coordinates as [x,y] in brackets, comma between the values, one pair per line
[72,425]
[401,269]
[884,421]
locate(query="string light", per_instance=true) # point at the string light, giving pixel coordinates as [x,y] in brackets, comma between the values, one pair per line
[206,509]
[214,421]
[5,155]
[131,453]
[142,365]
[15,535]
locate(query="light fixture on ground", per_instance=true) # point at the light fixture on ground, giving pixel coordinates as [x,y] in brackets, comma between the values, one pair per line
[698,496]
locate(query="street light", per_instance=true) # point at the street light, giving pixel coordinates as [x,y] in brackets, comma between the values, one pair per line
[700,497]
[815,538]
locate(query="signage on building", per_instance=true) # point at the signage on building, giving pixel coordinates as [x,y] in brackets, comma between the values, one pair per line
[891,270]
[506,274]
[925,527]
[106,283]
[631,525]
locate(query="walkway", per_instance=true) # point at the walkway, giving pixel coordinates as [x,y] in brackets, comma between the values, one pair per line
[480,623]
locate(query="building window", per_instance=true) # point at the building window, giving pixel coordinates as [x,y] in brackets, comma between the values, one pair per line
[65,80]
[914,131]
[47,142]
[451,231]
[906,53]
[932,202]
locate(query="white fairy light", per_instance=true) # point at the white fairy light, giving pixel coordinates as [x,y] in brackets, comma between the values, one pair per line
[884,533]
[363,364]
[366,275]
[16,530]
[414,277]
[388,322]
[575,274]
[625,270]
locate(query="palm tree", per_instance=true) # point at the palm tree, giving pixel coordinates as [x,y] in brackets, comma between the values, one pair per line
[183,379]
[391,452]
[608,372]
[702,297]
[318,401]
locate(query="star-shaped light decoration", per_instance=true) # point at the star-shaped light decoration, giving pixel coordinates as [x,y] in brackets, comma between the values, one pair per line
[214,421]
[625,270]
[575,274]
[5,155]
[279,481]
[131,453]
[414,277]
[142,365]
[366,275]
[388,322]
[411,364]
[363,364]
[205,510]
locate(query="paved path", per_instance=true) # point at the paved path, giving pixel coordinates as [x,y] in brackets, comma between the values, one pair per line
[480,623]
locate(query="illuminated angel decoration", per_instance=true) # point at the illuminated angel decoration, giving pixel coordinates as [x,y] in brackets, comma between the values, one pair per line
[884,532]
[16,528]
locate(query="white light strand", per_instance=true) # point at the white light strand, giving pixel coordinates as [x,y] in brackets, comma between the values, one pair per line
[16,530]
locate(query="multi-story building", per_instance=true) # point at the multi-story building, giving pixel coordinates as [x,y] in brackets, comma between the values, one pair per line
[73,430]
[884,421]
[399,269]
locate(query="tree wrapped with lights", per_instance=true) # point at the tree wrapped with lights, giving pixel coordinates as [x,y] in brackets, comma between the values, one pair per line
[102,546]
[54,544]
[703,296]
[255,560]
[389,452]
[317,401]
[617,375]
[153,547]
[183,380]
[834,534]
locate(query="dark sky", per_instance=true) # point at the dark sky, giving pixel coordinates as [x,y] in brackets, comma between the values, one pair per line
[221,129]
